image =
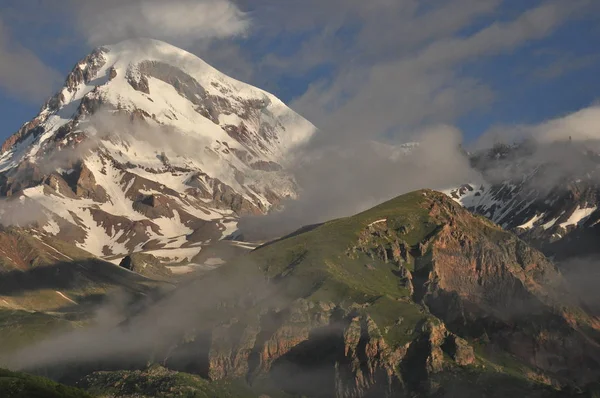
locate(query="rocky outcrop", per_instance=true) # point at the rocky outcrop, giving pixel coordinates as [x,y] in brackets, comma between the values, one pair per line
[85,71]
[379,241]
[266,166]
[320,349]
[147,265]
[83,183]
[153,206]
[225,197]
[135,232]
[30,128]
[483,281]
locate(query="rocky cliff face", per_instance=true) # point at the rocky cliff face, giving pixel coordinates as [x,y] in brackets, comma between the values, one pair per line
[501,289]
[148,148]
[395,301]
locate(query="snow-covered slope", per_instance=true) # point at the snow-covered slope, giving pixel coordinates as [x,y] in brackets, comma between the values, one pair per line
[149,148]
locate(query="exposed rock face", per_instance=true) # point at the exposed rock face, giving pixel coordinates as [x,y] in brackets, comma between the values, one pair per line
[146,265]
[343,353]
[83,183]
[378,241]
[490,283]
[141,131]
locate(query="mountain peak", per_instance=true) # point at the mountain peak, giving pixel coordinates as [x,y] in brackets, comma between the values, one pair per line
[147,145]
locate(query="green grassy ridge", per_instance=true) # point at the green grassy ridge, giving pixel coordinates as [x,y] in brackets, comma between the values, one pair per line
[322,270]
[22,385]
[318,257]
[314,263]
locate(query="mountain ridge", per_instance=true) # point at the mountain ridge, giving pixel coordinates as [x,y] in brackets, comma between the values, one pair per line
[548,193]
[414,296]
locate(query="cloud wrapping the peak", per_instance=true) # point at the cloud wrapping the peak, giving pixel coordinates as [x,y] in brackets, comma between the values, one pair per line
[180,22]
[341,179]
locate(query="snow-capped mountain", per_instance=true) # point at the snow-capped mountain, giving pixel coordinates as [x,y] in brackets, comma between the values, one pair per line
[148,148]
[548,193]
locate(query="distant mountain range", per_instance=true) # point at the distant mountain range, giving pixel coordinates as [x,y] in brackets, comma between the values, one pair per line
[547,193]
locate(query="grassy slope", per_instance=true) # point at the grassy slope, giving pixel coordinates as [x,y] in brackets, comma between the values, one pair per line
[315,265]
[20,328]
[159,382]
[50,286]
[21,385]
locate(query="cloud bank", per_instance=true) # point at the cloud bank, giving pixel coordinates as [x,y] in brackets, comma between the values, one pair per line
[180,22]
[341,180]
[580,126]
[398,79]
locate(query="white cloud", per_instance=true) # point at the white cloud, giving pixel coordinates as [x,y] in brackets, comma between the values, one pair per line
[391,85]
[180,22]
[423,86]
[582,125]
[341,179]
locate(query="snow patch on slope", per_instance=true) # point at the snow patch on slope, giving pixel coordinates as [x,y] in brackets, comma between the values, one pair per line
[529,224]
[578,216]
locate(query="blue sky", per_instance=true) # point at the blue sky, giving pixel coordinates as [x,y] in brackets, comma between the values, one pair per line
[389,64]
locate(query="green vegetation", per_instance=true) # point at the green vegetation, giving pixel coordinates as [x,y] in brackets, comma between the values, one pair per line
[159,382]
[20,328]
[21,385]
[396,319]
[317,265]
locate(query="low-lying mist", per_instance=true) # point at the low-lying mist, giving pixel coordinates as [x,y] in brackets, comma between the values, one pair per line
[132,332]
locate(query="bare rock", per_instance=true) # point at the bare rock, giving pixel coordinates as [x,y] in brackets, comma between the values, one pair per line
[147,265]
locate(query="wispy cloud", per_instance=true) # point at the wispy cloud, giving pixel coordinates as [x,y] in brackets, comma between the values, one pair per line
[564,64]
[178,21]
[396,91]
[578,126]
[22,73]
[397,70]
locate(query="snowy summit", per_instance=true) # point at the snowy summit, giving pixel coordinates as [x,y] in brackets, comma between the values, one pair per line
[149,148]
